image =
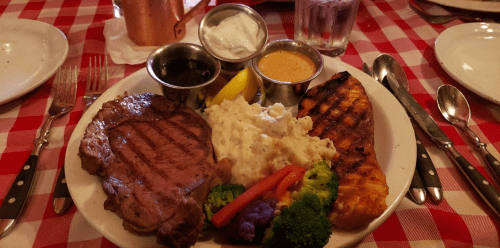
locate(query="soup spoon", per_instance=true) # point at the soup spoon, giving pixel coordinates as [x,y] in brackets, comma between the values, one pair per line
[455,109]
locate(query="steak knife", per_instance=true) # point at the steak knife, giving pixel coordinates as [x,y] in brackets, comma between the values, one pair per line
[62,198]
[482,186]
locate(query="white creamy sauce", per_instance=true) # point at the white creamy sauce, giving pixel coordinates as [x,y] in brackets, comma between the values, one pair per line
[260,141]
[235,37]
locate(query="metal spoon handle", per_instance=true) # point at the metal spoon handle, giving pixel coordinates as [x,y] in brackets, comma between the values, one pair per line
[470,135]
[482,186]
[492,162]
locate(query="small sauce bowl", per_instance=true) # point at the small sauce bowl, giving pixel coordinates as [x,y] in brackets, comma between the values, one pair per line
[184,70]
[215,16]
[287,93]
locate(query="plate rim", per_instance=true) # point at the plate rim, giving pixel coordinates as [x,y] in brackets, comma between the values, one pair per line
[444,40]
[485,6]
[53,66]
[338,239]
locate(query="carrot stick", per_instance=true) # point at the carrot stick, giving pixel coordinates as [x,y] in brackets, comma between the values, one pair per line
[223,216]
[288,181]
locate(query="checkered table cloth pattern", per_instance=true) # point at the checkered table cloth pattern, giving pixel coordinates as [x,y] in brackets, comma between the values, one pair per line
[382,26]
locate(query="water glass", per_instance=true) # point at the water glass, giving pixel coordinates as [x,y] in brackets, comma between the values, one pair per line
[325,24]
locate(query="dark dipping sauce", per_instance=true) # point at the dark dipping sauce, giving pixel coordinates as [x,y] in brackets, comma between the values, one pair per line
[185,72]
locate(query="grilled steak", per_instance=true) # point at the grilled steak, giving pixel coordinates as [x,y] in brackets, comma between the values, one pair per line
[156,158]
[342,112]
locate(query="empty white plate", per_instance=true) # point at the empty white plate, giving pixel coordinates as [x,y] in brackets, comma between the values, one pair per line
[470,54]
[30,53]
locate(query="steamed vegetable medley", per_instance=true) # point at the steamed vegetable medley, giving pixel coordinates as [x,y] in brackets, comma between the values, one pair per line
[286,209]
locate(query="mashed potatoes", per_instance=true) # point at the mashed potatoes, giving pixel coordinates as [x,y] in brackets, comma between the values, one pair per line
[260,141]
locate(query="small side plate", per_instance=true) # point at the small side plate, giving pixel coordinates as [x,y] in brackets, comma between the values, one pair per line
[30,53]
[469,54]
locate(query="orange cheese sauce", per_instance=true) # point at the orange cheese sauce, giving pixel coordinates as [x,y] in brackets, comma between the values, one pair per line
[287,66]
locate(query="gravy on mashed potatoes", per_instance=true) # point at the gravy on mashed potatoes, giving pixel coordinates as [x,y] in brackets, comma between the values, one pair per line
[260,141]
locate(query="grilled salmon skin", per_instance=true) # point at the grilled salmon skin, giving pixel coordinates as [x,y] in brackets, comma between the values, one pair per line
[342,112]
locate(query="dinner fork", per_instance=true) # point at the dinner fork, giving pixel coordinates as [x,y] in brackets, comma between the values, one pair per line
[65,84]
[61,198]
[100,82]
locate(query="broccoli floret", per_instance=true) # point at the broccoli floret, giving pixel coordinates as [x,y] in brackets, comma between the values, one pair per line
[321,181]
[303,224]
[220,196]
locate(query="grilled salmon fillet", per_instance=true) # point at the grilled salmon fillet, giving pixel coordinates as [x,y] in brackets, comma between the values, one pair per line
[342,112]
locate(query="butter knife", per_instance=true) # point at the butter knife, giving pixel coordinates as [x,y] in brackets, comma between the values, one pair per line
[482,186]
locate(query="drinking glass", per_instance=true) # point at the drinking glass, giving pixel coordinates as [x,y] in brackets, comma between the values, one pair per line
[325,24]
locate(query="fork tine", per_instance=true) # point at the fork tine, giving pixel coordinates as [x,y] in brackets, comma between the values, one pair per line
[87,89]
[99,86]
[62,92]
[94,88]
[57,82]
[105,72]
[67,85]
[75,84]
[66,89]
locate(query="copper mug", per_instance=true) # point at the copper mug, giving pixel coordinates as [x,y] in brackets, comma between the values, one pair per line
[158,22]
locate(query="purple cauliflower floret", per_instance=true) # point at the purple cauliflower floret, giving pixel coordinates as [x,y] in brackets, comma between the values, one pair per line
[252,221]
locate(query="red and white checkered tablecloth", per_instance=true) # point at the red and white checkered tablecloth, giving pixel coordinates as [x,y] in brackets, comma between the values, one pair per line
[382,26]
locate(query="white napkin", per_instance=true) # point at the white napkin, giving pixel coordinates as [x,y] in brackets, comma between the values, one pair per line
[123,50]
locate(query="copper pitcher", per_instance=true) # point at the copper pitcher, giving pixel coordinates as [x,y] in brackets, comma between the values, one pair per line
[158,22]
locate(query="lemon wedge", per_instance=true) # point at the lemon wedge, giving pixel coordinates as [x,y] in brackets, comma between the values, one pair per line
[245,83]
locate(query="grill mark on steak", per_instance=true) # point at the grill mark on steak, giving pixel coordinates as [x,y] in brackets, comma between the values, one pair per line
[171,140]
[190,135]
[139,154]
[142,135]
[138,176]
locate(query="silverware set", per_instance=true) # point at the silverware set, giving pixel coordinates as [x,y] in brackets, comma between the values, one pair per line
[425,178]
[455,109]
[65,85]
[482,186]
[97,83]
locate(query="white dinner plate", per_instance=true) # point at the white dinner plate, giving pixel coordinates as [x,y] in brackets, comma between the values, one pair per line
[470,54]
[476,5]
[394,144]
[30,53]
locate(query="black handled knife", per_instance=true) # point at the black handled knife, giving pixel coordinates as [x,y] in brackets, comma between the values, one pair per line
[62,199]
[426,169]
[483,187]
